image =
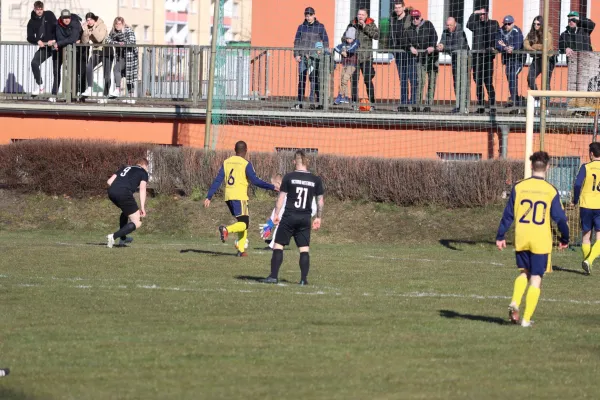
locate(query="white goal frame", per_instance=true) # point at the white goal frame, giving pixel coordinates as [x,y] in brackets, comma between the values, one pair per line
[530,116]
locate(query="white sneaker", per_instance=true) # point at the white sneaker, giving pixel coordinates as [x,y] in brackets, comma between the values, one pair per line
[125,242]
[526,324]
[536,103]
[88,92]
[115,93]
[37,90]
[52,99]
[110,241]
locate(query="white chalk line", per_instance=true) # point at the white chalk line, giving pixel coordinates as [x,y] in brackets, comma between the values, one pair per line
[437,261]
[307,293]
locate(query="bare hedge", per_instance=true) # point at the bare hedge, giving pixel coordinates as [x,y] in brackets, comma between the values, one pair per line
[79,168]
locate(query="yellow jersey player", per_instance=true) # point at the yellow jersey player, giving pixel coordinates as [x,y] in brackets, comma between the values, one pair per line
[532,203]
[587,194]
[237,173]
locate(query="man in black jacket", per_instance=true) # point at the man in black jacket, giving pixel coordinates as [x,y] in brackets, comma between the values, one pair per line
[68,32]
[400,24]
[484,52]
[577,35]
[41,30]
[453,41]
[423,40]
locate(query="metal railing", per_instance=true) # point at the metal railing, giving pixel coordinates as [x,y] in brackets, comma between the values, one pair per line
[259,77]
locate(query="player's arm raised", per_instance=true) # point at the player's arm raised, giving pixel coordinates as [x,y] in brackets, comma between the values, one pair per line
[215,186]
[111,179]
[320,205]
[255,180]
[507,219]
[558,215]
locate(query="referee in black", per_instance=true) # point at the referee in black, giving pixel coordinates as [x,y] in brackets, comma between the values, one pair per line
[122,184]
[297,190]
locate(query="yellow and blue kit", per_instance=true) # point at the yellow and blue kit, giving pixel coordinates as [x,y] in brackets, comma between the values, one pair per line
[533,203]
[587,195]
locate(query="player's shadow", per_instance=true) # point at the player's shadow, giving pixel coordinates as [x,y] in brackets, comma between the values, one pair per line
[450,243]
[104,244]
[208,252]
[572,271]
[481,318]
[9,394]
[256,278]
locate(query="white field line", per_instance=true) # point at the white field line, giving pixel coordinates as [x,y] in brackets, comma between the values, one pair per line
[436,261]
[319,292]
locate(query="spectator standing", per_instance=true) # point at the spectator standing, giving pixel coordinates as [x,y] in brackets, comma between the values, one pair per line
[367,31]
[509,42]
[423,39]
[126,58]
[400,25]
[41,31]
[68,32]
[484,31]
[308,34]
[347,50]
[453,40]
[576,36]
[95,31]
[534,41]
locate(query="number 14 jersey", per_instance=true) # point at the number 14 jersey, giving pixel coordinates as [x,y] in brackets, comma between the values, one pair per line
[587,186]
[301,187]
[533,203]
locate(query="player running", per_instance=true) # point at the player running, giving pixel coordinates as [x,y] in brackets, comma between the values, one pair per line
[239,171]
[587,194]
[122,185]
[533,202]
[301,186]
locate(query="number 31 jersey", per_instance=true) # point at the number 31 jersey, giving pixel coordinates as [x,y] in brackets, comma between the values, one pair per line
[301,187]
[533,203]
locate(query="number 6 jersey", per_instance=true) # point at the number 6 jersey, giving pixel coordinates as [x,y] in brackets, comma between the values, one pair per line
[301,187]
[533,203]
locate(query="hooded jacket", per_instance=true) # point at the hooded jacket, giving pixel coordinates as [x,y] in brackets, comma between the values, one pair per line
[454,41]
[307,36]
[512,38]
[95,34]
[365,36]
[577,39]
[399,31]
[68,34]
[41,28]
[484,32]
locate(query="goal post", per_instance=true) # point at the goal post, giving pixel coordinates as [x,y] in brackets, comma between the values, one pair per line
[543,95]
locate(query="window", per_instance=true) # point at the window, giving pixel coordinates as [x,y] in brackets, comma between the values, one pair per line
[136,3]
[146,32]
[15,11]
[122,3]
[192,37]
[134,28]
[148,4]
[459,156]
[194,6]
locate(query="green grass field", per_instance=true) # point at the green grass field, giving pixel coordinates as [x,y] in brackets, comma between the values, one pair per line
[176,316]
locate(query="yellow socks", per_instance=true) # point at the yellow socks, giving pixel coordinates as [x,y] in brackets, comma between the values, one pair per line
[519,290]
[533,295]
[585,249]
[238,227]
[595,252]
[242,237]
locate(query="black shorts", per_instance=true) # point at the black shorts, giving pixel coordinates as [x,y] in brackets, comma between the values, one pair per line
[296,226]
[124,200]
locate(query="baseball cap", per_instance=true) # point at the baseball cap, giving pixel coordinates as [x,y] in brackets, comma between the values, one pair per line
[309,10]
[65,14]
[508,20]
[573,14]
[319,45]
[415,13]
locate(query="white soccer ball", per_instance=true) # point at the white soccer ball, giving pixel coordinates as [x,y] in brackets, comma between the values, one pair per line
[245,247]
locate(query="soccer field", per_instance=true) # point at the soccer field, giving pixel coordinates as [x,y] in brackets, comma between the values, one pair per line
[184,319]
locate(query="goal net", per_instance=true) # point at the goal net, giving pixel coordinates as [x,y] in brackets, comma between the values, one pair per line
[571,126]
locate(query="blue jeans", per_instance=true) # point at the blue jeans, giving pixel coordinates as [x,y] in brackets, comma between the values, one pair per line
[407,71]
[512,74]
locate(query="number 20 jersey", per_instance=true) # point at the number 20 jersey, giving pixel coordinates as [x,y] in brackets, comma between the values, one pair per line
[532,205]
[301,187]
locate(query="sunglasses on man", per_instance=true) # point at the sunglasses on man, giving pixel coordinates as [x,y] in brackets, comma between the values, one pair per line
[573,20]
[309,14]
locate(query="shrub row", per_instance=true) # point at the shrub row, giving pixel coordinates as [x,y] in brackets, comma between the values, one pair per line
[80,168]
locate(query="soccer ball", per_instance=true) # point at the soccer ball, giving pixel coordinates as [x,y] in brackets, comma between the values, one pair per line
[245,247]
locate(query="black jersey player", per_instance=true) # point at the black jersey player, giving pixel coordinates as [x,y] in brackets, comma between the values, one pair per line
[122,185]
[299,187]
